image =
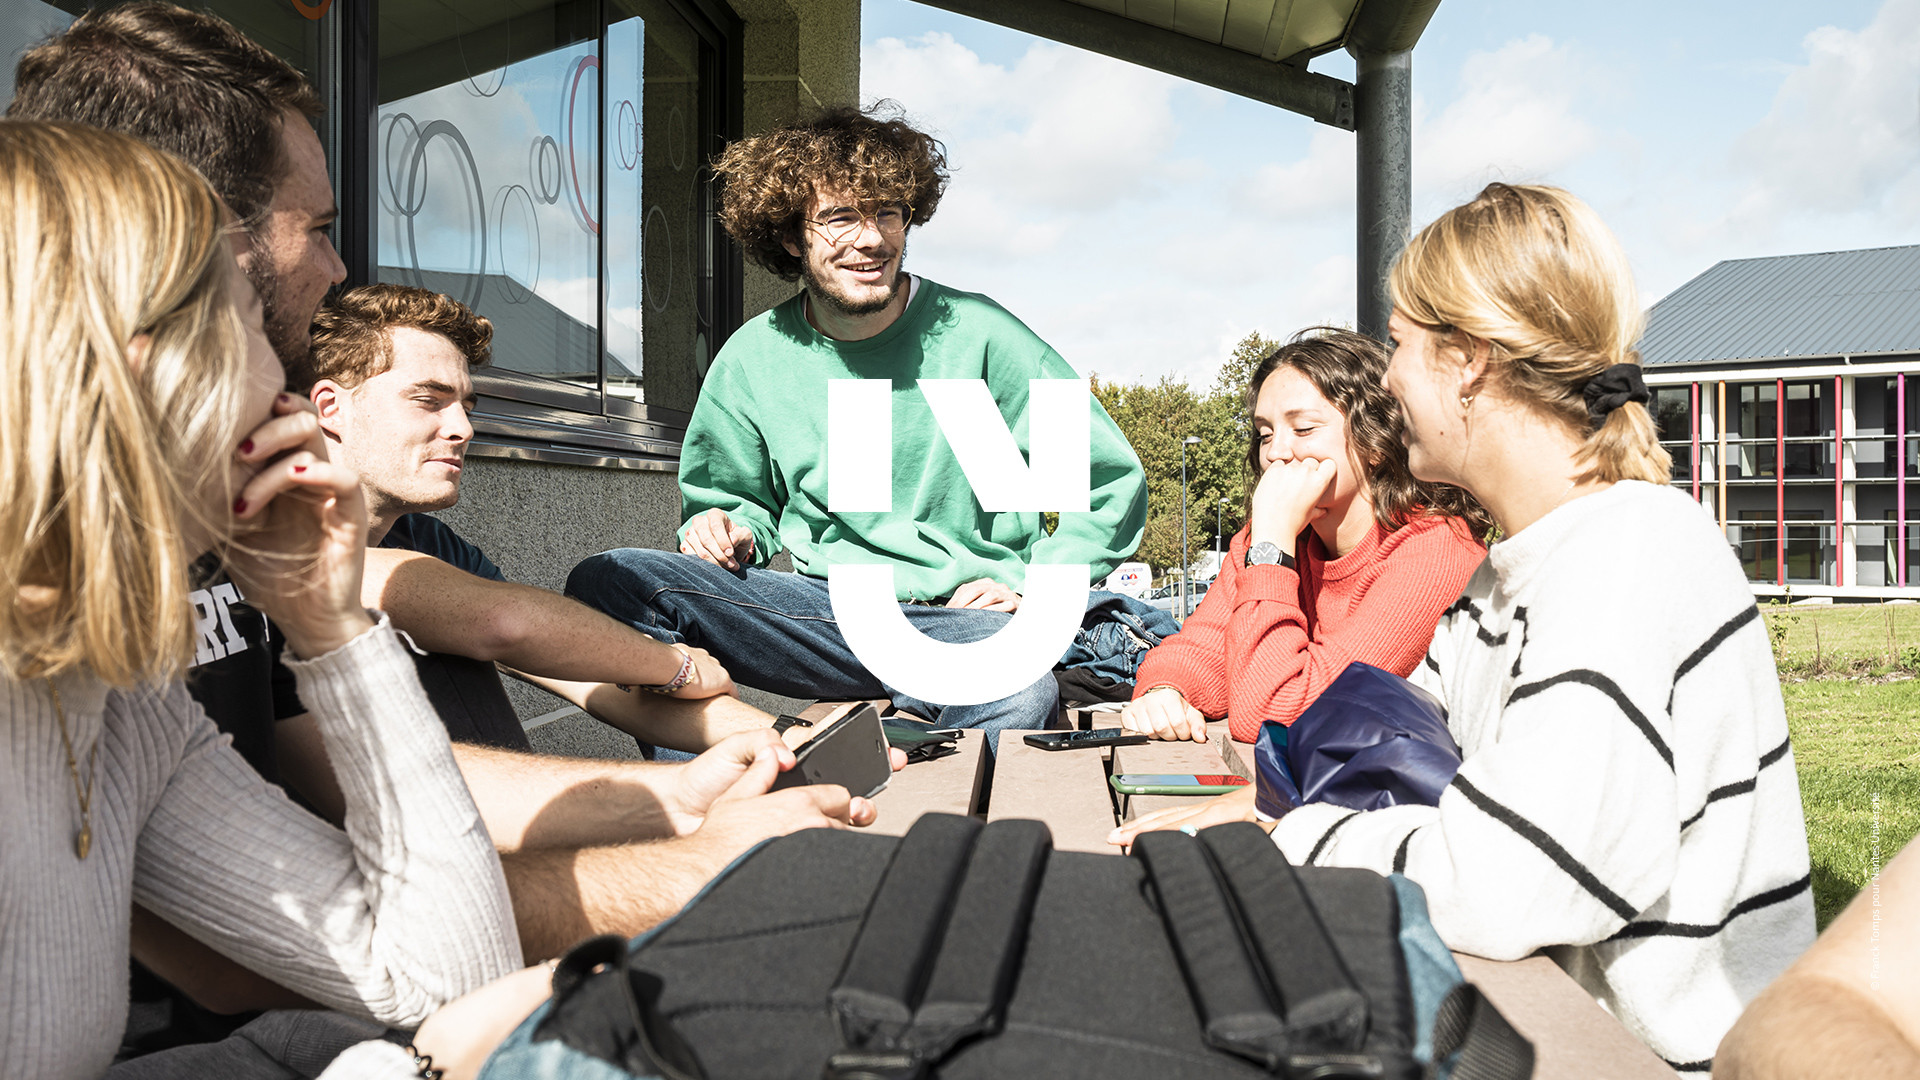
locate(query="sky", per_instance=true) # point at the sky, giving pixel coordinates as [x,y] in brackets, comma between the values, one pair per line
[1143,224]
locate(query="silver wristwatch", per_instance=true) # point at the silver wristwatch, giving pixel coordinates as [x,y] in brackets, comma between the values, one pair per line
[1268,553]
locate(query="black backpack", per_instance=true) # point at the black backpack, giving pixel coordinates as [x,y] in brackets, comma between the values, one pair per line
[964,950]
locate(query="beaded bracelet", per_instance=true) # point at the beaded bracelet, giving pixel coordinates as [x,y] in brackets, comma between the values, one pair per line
[682,678]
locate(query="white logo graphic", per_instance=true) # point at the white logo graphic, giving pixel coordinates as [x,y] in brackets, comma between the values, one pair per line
[213,623]
[1054,476]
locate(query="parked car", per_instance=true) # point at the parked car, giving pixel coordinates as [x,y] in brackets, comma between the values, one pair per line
[1167,597]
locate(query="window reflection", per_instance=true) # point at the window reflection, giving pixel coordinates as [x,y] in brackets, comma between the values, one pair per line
[487,182]
[657,320]
[495,140]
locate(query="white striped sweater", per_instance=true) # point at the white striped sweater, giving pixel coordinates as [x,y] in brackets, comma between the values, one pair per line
[1627,800]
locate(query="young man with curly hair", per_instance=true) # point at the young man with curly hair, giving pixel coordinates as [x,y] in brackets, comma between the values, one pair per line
[830,202]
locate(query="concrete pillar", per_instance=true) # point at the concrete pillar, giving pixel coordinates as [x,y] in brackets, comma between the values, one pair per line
[1383,113]
[800,58]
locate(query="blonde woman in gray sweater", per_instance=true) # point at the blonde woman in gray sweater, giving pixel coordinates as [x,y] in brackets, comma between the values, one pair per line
[141,424]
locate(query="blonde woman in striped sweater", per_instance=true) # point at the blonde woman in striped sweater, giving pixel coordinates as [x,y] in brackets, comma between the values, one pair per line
[1627,800]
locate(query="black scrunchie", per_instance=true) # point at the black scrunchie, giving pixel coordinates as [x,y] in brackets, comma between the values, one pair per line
[1613,388]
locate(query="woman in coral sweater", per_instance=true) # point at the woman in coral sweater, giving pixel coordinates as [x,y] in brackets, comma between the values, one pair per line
[1345,555]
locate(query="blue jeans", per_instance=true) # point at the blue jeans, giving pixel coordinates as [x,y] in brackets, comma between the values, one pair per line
[776,632]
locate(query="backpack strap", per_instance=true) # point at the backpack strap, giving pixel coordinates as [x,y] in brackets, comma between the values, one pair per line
[607,1010]
[1326,1011]
[904,998]
[1265,976]
[1238,1008]
[1486,1045]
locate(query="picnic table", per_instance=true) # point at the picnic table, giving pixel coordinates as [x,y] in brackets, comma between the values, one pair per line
[1573,1038]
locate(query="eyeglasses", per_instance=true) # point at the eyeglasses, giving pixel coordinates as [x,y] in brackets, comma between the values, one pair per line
[843,223]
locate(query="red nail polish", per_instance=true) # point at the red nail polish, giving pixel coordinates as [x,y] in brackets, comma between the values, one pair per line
[239,506]
[299,468]
[283,398]
[246,446]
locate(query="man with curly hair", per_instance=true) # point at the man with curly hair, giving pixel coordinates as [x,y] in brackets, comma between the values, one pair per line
[830,202]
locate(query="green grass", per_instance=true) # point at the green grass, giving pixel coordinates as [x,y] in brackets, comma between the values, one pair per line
[1847,672]
[1853,705]
[1844,639]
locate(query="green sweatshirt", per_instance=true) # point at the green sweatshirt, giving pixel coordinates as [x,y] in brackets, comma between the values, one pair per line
[756,448]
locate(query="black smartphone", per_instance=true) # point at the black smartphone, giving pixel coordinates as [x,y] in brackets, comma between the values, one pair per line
[851,753]
[1079,740]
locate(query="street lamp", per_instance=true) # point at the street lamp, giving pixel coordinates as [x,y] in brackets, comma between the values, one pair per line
[1219,528]
[1186,557]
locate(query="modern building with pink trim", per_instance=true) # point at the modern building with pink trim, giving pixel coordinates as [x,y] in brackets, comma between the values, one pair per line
[1787,389]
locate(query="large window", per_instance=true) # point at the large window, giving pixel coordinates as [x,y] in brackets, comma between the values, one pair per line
[544,163]
[308,36]
[1807,434]
[1809,546]
[541,160]
[1673,419]
[1876,415]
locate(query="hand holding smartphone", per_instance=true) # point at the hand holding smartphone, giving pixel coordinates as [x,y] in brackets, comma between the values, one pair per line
[851,753]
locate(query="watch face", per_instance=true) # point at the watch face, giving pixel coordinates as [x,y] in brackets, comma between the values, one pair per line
[1264,553]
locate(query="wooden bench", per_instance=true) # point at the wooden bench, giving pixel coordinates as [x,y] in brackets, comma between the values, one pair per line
[1573,1037]
[1066,789]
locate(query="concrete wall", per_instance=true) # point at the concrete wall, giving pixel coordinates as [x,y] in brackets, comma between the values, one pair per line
[537,520]
[800,57]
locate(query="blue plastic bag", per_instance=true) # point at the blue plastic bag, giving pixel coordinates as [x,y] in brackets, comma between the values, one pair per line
[1370,740]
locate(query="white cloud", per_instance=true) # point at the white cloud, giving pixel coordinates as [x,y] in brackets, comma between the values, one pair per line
[1516,117]
[932,67]
[1077,204]
[1843,135]
[1320,182]
[1062,130]
[1142,225]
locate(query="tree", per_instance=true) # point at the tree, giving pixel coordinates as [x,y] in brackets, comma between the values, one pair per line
[1155,418]
[1239,367]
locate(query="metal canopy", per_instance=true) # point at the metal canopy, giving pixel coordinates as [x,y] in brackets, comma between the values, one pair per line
[1259,49]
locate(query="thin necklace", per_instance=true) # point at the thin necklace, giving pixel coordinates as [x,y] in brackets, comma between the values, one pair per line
[1557,503]
[83,842]
[1562,500]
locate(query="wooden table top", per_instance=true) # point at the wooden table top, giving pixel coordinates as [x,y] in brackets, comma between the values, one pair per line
[1067,789]
[947,785]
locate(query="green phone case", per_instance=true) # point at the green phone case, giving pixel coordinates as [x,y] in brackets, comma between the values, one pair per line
[1171,789]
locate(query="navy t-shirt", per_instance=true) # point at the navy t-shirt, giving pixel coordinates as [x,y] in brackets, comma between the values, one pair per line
[465,692]
[430,536]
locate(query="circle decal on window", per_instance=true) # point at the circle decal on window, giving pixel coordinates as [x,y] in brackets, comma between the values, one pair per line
[518,287]
[657,259]
[546,177]
[476,205]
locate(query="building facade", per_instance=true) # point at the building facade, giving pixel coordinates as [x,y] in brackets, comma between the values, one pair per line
[545,161]
[1787,390]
